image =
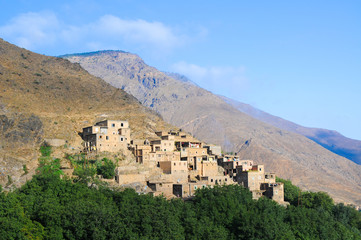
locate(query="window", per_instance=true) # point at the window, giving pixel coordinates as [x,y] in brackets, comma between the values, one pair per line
[122,124]
[113,125]
[212,180]
[107,138]
[100,136]
[174,164]
[121,139]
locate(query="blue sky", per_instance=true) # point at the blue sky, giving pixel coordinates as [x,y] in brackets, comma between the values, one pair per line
[300,60]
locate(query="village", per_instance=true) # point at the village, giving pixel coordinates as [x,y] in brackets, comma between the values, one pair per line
[185,163]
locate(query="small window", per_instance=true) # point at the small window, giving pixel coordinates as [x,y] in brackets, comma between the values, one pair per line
[174,164]
[122,124]
[212,180]
[107,138]
[113,125]
[121,139]
[100,136]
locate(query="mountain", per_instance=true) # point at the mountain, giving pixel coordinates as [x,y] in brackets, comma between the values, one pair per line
[331,140]
[51,98]
[211,119]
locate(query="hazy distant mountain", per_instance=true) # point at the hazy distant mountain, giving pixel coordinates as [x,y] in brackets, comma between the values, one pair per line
[213,120]
[332,140]
[45,97]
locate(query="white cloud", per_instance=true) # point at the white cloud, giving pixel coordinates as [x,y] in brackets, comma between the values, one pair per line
[153,33]
[225,80]
[31,30]
[36,31]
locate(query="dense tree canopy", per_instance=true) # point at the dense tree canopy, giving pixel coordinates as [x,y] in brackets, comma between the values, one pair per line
[53,207]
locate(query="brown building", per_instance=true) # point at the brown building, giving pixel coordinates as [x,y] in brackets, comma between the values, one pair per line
[233,165]
[107,135]
[178,170]
[261,183]
[274,191]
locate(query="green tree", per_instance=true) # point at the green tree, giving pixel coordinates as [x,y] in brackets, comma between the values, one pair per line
[292,193]
[317,200]
[106,168]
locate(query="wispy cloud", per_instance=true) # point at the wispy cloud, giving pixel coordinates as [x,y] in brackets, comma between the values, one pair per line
[36,30]
[32,30]
[225,80]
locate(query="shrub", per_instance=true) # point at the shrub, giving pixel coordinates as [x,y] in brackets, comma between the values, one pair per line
[106,169]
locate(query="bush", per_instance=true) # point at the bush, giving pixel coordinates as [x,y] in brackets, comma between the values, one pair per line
[45,150]
[106,169]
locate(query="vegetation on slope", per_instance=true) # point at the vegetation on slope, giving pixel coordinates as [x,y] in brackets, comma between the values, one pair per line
[51,207]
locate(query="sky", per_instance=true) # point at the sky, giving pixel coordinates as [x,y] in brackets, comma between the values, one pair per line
[299,60]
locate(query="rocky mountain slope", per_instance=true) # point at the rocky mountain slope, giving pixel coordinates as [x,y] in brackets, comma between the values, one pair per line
[213,120]
[331,140]
[51,98]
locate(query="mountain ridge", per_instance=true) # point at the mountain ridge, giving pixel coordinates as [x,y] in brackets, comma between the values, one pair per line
[209,118]
[329,139]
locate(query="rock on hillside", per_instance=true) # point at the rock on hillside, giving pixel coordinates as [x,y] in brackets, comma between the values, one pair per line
[211,119]
[51,98]
[331,140]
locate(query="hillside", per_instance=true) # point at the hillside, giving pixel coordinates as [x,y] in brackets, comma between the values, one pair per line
[211,119]
[51,98]
[331,140]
